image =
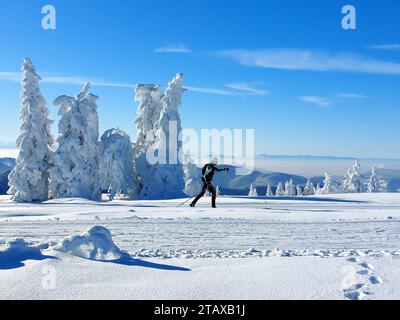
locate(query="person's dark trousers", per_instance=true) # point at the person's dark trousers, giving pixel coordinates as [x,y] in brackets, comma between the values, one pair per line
[207,186]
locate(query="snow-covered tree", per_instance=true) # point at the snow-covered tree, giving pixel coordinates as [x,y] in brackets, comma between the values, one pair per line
[29,180]
[280,192]
[299,191]
[149,97]
[193,183]
[309,189]
[374,184]
[270,193]
[290,188]
[116,164]
[318,189]
[287,188]
[160,169]
[76,161]
[352,181]
[253,191]
[218,190]
[329,185]
[148,113]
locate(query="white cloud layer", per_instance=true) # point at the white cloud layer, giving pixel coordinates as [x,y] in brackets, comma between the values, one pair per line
[311,60]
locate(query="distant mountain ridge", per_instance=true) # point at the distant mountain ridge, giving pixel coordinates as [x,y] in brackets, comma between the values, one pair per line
[6,164]
[4,182]
[310,157]
[239,185]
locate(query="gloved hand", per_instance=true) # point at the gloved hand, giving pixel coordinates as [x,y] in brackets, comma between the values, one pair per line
[226,169]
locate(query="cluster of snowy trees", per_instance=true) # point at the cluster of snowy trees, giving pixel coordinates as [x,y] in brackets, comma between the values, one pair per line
[78,163]
[352,183]
[253,191]
[158,163]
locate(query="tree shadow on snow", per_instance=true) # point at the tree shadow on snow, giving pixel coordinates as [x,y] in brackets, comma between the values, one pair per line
[127,260]
[12,260]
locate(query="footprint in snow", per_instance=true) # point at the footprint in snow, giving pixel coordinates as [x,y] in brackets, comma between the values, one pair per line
[375,279]
[357,292]
[366,265]
[363,272]
[355,287]
[355,295]
[361,290]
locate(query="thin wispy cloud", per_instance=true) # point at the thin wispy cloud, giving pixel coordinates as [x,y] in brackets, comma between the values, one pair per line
[311,60]
[345,95]
[316,100]
[215,91]
[16,77]
[82,80]
[179,48]
[247,89]
[67,80]
[395,46]
[10,76]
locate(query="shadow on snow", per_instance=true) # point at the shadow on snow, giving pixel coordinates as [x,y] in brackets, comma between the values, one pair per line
[127,260]
[13,260]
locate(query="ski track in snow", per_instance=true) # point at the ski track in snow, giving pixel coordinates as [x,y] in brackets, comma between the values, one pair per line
[240,228]
[213,237]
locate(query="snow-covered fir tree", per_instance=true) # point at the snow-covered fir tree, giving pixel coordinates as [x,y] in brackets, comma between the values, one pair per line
[290,188]
[287,188]
[193,183]
[253,191]
[318,189]
[159,165]
[116,164]
[299,191]
[270,193]
[329,185]
[374,184]
[29,180]
[352,181]
[309,189]
[148,113]
[280,192]
[76,161]
[149,97]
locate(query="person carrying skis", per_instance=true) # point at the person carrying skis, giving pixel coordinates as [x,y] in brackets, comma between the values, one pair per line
[208,174]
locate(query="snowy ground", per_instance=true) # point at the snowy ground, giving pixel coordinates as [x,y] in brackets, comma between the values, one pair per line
[331,247]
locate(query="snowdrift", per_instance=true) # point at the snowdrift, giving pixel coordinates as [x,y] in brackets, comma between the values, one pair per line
[95,244]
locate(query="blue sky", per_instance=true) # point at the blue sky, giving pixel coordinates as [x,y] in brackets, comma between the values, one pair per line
[285,68]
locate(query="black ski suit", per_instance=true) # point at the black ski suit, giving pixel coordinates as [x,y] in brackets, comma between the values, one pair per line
[208,174]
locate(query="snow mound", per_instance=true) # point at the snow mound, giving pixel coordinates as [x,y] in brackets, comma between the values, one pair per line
[95,244]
